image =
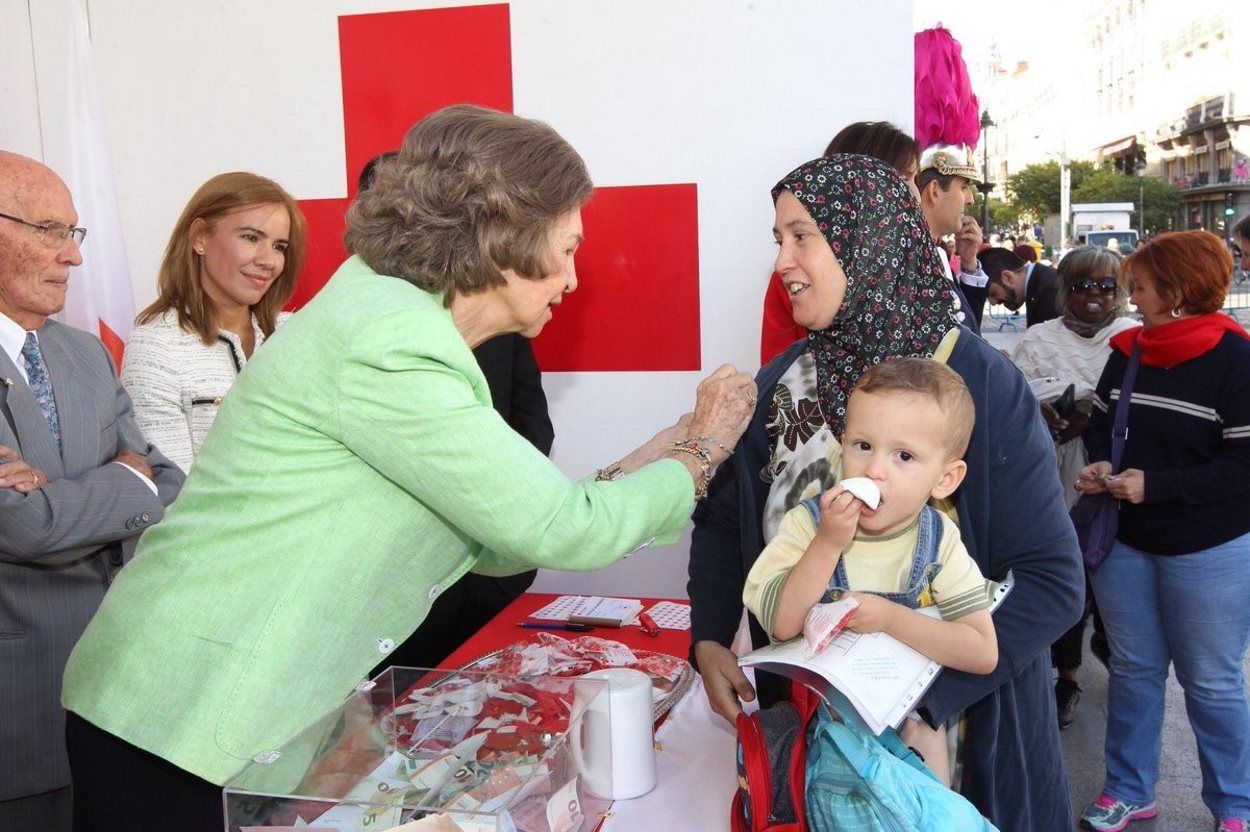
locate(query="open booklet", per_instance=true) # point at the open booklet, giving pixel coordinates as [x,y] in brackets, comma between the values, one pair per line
[879,675]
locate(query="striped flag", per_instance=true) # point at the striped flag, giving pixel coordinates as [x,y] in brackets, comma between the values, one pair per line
[101,299]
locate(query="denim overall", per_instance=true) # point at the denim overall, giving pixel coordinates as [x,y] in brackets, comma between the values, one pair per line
[924,566]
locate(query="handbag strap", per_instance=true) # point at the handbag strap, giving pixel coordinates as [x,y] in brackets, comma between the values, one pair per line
[1119,432]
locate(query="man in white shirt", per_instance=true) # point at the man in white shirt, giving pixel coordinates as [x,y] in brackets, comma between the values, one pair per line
[70,519]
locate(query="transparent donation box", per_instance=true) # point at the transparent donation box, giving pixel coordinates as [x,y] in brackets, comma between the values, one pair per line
[495,753]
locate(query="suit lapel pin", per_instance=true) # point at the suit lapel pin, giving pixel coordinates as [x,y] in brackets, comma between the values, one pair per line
[7,382]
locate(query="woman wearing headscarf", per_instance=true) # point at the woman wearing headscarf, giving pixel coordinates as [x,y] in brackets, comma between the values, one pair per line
[879,139]
[355,472]
[863,274]
[1070,351]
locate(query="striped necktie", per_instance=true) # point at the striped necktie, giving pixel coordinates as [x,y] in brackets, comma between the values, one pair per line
[40,385]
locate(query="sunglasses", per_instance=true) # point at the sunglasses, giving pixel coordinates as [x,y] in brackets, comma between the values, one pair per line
[1102,285]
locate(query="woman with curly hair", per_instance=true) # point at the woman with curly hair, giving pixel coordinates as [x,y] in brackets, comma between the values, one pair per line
[355,472]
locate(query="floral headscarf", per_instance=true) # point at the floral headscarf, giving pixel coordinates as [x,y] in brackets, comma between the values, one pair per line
[898,299]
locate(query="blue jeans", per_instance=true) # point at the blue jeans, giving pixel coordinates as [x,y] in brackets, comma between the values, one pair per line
[1194,612]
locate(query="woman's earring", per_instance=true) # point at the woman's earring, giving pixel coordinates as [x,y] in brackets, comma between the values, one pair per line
[1176,313]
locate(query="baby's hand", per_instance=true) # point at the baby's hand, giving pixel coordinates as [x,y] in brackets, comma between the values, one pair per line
[873,615]
[839,517]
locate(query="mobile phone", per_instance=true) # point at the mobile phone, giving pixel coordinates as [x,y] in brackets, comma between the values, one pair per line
[1065,405]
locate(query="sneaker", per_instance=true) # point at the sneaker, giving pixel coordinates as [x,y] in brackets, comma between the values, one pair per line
[1067,695]
[1232,825]
[1106,814]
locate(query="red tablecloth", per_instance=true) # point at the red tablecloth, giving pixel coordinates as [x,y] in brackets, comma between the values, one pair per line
[504,629]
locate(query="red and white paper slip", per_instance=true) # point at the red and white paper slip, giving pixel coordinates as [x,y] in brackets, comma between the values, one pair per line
[825,621]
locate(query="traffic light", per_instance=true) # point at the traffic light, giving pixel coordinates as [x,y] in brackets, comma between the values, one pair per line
[1229,208]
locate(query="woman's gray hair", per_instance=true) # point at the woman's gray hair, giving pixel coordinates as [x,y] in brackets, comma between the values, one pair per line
[1092,261]
[473,191]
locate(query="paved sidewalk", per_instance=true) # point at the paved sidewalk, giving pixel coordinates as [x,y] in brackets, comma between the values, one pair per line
[1180,785]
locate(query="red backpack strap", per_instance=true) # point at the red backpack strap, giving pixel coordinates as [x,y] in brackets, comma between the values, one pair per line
[805,699]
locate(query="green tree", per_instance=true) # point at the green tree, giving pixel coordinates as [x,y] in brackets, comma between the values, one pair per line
[1004,214]
[1034,189]
[1109,185]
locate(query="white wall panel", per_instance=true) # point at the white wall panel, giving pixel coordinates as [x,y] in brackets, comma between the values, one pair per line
[727,94]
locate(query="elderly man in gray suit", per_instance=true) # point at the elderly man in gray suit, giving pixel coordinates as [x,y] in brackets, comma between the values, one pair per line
[78,484]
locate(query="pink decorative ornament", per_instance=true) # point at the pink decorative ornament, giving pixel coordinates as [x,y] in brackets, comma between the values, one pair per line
[948,122]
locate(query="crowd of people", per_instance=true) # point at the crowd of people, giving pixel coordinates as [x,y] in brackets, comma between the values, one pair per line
[171,538]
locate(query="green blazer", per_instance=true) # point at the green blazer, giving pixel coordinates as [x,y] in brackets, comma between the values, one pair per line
[355,471]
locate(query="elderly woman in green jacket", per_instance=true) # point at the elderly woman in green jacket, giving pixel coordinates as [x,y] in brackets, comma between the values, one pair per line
[355,471]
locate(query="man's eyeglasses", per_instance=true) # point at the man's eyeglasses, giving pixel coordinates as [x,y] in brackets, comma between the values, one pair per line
[52,234]
[1103,285]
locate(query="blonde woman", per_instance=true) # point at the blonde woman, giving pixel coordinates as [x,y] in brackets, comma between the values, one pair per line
[230,266]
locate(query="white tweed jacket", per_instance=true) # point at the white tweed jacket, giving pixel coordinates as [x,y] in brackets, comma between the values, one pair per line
[177,382]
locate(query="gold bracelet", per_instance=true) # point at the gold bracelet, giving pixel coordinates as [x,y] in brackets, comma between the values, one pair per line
[705,466]
[693,446]
[611,472]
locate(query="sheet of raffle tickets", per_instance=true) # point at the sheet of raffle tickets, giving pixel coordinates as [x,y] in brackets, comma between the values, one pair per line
[670,615]
[623,609]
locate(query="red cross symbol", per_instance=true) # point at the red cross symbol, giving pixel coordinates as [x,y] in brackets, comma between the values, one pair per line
[637,305]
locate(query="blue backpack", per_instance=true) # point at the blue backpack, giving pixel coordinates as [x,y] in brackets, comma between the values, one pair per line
[856,781]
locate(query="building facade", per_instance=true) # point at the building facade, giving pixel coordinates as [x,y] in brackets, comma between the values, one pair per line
[1173,101]
[1153,87]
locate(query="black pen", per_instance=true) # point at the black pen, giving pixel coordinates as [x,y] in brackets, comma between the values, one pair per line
[556,625]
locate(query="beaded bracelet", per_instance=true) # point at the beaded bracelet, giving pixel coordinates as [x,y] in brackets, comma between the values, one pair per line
[689,446]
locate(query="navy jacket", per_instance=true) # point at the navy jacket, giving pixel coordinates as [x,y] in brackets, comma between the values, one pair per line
[1012,518]
[1189,431]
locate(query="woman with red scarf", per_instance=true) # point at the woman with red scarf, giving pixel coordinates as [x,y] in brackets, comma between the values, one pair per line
[1174,588]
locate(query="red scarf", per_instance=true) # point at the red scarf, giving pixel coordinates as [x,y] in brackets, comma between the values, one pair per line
[1175,342]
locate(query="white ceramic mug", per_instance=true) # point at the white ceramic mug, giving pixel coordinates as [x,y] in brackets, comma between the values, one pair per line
[613,745]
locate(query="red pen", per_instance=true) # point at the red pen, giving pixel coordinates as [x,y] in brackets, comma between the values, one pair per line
[648,625]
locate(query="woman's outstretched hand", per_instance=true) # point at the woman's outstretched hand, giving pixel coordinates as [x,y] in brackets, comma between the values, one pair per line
[723,407]
[724,404]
